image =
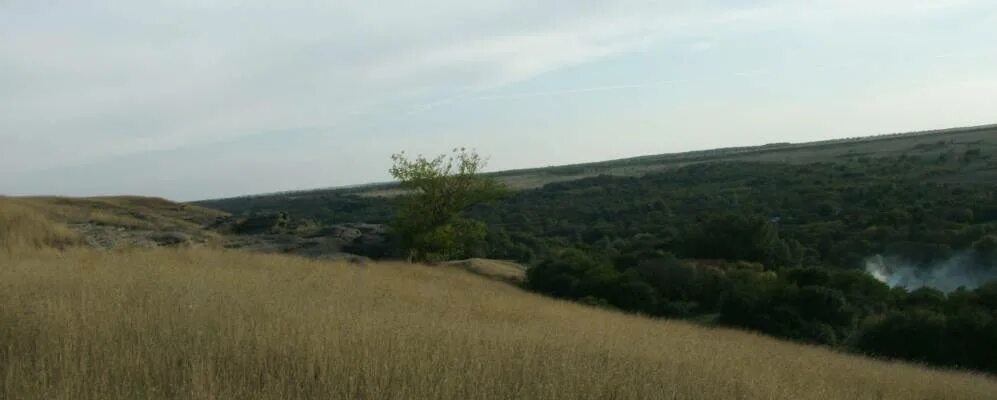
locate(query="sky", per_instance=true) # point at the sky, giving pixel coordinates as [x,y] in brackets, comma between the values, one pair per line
[205,99]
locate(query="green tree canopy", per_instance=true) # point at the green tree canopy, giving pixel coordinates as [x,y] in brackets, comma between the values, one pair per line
[430,221]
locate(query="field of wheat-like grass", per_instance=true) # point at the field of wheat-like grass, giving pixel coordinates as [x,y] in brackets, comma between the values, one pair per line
[24,228]
[203,323]
[210,324]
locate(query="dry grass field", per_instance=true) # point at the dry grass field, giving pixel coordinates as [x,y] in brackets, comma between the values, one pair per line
[203,323]
[126,212]
[107,222]
[23,227]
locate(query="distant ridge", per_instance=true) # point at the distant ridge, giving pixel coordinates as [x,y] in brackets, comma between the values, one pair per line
[529,177]
[767,147]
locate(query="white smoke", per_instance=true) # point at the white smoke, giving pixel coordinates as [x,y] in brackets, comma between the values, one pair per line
[959,271]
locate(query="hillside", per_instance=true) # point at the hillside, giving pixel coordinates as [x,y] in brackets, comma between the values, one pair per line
[921,144]
[851,244]
[106,222]
[926,144]
[200,322]
[953,157]
[110,223]
[926,197]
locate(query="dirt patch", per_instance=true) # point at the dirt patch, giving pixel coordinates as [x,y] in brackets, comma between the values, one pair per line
[499,270]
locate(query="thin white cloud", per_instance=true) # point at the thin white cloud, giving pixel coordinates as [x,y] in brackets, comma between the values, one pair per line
[574,91]
[89,82]
[82,82]
[702,46]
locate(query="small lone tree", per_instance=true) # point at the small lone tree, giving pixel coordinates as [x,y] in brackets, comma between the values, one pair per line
[430,221]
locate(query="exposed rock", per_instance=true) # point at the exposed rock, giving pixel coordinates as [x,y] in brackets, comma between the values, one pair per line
[170,238]
[263,223]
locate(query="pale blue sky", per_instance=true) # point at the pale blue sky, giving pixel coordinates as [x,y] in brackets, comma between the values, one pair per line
[190,100]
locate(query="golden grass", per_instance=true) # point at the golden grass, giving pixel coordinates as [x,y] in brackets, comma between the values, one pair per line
[506,271]
[106,214]
[214,324]
[22,227]
[210,324]
[125,211]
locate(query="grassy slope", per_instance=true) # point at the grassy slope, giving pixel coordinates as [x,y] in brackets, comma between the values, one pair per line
[212,324]
[505,271]
[919,144]
[23,226]
[205,323]
[915,144]
[127,212]
[111,221]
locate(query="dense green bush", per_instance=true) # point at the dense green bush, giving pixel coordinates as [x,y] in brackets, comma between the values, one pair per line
[843,308]
[430,224]
[774,247]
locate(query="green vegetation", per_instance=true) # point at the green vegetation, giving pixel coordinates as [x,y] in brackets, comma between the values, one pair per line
[842,308]
[204,323]
[430,224]
[775,239]
[777,248]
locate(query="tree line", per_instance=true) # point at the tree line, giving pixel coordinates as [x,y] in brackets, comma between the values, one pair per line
[773,247]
